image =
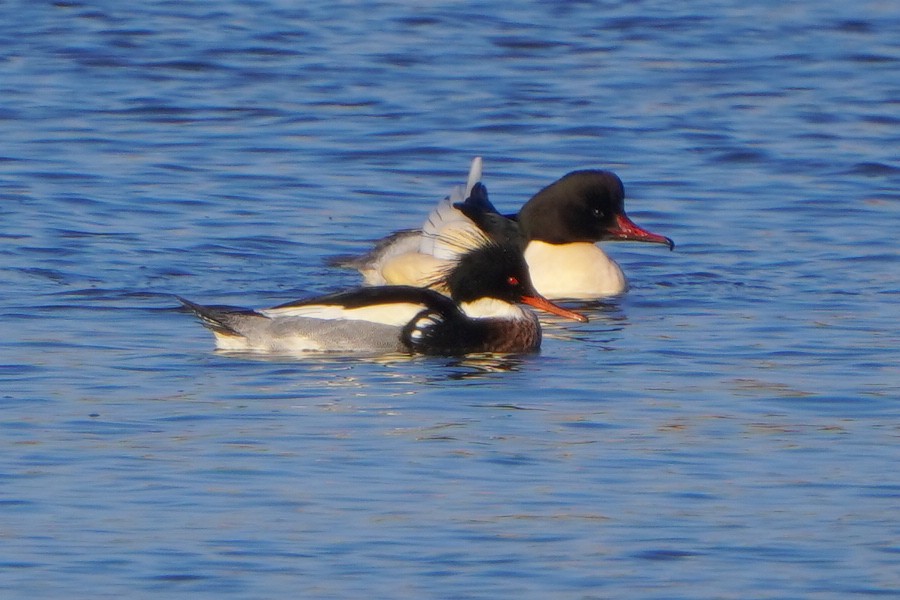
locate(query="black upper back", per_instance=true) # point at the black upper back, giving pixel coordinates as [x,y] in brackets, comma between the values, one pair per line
[385,294]
[481,211]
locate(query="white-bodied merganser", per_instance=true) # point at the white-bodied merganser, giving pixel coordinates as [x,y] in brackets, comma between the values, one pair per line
[557,228]
[486,282]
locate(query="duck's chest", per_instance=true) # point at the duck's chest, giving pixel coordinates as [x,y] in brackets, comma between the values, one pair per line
[580,271]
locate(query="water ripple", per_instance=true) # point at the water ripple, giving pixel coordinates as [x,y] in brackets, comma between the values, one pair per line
[733,413]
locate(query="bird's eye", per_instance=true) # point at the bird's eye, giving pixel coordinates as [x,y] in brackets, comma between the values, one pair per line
[512,280]
[598,213]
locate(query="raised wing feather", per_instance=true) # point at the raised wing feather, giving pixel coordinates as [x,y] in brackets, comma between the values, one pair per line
[448,232]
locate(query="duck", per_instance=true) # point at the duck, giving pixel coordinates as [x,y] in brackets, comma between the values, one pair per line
[558,230]
[486,311]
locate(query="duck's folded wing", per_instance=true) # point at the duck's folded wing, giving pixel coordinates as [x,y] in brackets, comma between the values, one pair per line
[399,242]
[388,305]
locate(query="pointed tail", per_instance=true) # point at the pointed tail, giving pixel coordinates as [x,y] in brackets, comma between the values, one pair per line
[220,319]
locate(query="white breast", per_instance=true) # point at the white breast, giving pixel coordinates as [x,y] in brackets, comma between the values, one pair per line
[578,271]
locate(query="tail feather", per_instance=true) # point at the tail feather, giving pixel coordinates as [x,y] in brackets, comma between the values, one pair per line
[474,175]
[219,319]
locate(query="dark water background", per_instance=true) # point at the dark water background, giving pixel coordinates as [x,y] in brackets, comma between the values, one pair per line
[729,429]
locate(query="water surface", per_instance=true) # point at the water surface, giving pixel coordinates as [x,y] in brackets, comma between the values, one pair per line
[728,429]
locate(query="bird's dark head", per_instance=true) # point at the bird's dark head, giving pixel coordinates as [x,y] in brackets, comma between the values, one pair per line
[582,206]
[498,271]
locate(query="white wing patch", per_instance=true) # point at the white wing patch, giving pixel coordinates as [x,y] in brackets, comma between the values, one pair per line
[397,313]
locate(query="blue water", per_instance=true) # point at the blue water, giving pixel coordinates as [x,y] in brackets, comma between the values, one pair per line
[729,429]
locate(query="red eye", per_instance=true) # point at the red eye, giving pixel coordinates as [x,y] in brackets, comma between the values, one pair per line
[512,280]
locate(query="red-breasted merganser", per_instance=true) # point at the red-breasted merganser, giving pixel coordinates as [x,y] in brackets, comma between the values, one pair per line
[557,228]
[486,282]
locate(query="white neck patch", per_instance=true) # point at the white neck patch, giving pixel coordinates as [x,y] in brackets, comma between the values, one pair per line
[485,308]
